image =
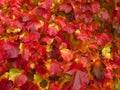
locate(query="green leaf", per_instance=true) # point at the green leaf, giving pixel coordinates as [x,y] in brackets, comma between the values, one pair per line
[13,73]
[5,75]
[43,83]
[37,78]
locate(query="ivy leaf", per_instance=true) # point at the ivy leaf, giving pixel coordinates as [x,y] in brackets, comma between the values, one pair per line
[46,4]
[6,84]
[26,53]
[20,80]
[61,21]
[41,70]
[55,68]
[82,61]
[80,80]
[47,39]
[3,2]
[93,46]
[41,49]
[69,28]
[2,52]
[66,54]
[103,38]
[106,51]
[95,6]
[103,14]
[54,86]
[2,55]
[83,35]
[32,25]
[65,7]
[1,29]
[98,70]
[12,49]
[116,56]
[33,36]
[108,74]
[37,78]
[13,73]
[3,68]
[29,86]
[52,31]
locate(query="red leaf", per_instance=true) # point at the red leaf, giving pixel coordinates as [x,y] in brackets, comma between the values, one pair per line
[3,68]
[41,49]
[55,68]
[108,75]
[55,53]
[70,28]
[66,54]
[59,39]
[84,36]
[6,84]
[72,71]
[80,63]
[103,14]
[65,7]
[54,86]
[26,65]
[42,12]
[2,52]
[16,62]
[20,80]
[117,27]
[116,56]
[93,46]
[29,86]
[47,39]
[46,4]
[3,2]
[41,70]
[83,62]
[26,17]
[26,54]
[108,1]
[80,81]
[2,55]
[33,36]
[103,38]
[52,31]
[32,25]
[95,6]
[19,24]
[61,22]
[95,26]
[1,29]
[12,49]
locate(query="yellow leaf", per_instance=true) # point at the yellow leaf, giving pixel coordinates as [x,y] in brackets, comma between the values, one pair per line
[106,51]
[37,78]
[13,73]
[5,75]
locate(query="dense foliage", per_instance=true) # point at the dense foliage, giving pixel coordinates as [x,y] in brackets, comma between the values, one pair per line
[59,44]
